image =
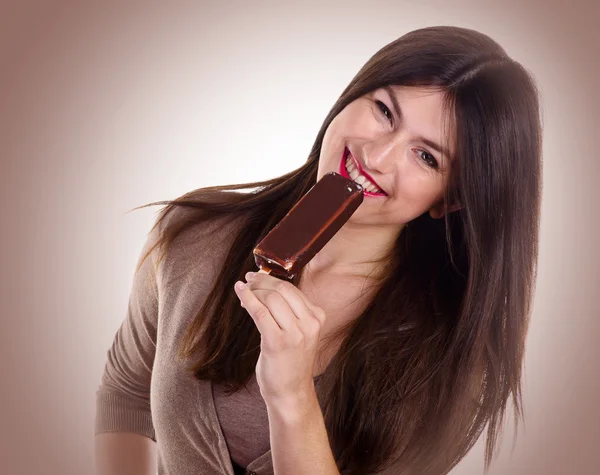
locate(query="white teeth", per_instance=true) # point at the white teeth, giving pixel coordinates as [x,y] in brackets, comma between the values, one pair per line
[360,179]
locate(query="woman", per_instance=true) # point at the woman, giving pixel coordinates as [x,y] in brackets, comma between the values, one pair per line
[400,340]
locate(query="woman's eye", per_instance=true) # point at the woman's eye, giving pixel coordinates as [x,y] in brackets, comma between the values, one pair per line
[428,158]
[385,110]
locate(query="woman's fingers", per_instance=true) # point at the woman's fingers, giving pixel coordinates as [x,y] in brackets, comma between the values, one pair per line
[300,305]
[282,313]
[263,319]
[267,305]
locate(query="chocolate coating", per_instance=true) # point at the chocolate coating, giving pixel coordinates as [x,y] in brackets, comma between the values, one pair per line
[309,225]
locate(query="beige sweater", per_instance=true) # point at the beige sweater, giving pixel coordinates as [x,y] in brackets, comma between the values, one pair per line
[145,388]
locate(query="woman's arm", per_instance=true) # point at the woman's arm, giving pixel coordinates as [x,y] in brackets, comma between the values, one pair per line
[299,441]
[124,430]
[290,327]
[122,453]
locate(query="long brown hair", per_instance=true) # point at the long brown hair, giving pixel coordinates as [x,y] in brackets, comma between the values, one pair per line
[438,352]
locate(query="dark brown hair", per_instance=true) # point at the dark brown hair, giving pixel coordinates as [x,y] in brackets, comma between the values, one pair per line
[438,352]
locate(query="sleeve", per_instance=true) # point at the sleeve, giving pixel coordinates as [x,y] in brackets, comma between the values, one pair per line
[123,397]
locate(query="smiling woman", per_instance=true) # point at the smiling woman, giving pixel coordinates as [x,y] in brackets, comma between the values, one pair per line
[397,155]
[402,339]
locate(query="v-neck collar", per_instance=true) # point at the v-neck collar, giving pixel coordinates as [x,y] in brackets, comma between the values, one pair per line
[263,464]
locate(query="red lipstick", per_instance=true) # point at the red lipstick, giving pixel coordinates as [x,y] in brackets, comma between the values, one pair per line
[344,173]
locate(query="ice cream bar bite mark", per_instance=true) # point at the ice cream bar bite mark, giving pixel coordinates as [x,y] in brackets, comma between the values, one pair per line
[309,225]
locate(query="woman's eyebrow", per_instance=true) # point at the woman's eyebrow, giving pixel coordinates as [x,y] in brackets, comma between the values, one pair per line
[430,143]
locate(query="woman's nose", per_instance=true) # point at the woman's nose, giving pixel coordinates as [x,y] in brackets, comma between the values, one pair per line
[381,156]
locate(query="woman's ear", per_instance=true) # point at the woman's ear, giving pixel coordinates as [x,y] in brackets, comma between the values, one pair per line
[438,210]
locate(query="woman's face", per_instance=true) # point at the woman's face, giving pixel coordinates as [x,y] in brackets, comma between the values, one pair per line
[391,141]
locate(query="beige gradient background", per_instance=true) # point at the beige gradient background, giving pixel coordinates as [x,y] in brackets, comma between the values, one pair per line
[111,105]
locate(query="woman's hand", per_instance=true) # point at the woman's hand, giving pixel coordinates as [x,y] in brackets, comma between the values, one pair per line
[290,327]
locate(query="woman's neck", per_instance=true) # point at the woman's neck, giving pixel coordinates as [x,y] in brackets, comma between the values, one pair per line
[358,251]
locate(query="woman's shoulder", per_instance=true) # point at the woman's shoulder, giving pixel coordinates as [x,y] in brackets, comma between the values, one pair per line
[195,225]
[191,238]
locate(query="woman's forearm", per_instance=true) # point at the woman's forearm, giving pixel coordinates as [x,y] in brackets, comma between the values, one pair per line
[123,453]
[299,441]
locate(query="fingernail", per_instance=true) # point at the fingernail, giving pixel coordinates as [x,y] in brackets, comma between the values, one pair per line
[240,285]
[250,275]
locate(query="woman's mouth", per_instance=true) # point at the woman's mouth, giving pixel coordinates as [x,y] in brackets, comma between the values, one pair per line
[351,169]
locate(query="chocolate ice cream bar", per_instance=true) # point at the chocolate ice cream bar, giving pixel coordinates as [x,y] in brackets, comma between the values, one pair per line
[309,225]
